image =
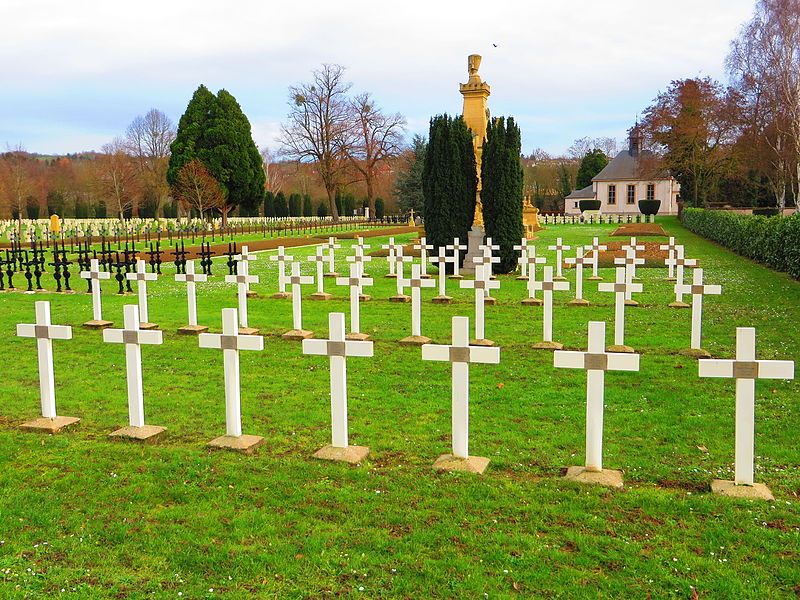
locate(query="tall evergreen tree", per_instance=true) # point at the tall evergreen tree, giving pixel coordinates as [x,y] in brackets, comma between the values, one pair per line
[501,192]
[449,181]
[591,165]
[269,204]
[308,209]
[295,205]
[281,208]
[408,186]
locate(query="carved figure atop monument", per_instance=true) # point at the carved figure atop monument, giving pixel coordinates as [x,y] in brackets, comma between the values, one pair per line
[473,64]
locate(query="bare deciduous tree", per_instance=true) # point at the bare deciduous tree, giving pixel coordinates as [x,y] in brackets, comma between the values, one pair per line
[148,139]
[117,176]
[198,189]
[582,146]
[274,172]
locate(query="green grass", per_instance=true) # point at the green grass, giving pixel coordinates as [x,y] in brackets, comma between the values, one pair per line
[103,519]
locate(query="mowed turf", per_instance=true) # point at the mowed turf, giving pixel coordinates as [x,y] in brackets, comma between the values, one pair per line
[85,517]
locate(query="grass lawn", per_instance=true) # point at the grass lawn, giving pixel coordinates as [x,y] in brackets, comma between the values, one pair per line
[85,517]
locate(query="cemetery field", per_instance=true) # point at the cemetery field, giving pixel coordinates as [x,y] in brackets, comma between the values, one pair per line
[82,516]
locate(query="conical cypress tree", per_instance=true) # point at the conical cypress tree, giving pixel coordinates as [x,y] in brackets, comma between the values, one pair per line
[281,208]
[295,204]
[190,133]
[501,193]
[308,209]
[269,204]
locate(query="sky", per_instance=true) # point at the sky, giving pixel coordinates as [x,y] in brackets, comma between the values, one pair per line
[74,74]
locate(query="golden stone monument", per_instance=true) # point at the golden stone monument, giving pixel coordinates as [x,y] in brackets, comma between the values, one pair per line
[476,116]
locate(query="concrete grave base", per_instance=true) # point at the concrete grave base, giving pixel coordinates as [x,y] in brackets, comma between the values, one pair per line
[400,298]
[695,353]
[425,276]
[486,343]
[670,279]
[621,348]
[532,302]
[148,326]
[414,340]
[358,337]
[246,444]
[559,278]
[593,278]
[578,302]
[547,346]
[489,301]
[757,491]
[320,296]
[679,305]
[252,294]
[364,297]
[390,276]
[47,425]
[248,331]
[522,278]
[331,274]
[455,277]
[442,299]
[192,330]
[146,433]
[351,454]
[281,295]
[631,303]
[608,477]
[471,464]
[297,335]
[98,324]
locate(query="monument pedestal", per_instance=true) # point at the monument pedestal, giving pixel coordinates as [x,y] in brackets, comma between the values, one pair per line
[475,239]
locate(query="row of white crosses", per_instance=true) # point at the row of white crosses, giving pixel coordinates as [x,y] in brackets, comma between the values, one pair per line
[596,360]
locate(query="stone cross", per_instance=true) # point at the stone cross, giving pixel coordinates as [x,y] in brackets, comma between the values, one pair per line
[745,369]
[480,284]
[359,258]
[629,261]
[679,262]
[416,283]
[522,248]
[141,276]
[456,248]
[45,332]
[392,248]
[319,258]
[579,261]
[670,248]
[596,361]
[242,279]
[338,349]
[296,280]
[230,342]
[423,248]
[398,259]
[245,256]
[488,248]
[698,290]
[548,285]
[531,259]
[331,247]
[191,278]
[559,247]
[621,289]
[441,262]
[282,259]
[356,281]
[596,248]
[461,354]
[94,275]
[132,336]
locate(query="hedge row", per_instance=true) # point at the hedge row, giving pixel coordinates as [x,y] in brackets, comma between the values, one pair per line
[773,241]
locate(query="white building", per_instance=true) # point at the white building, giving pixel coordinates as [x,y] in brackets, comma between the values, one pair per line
[629,177]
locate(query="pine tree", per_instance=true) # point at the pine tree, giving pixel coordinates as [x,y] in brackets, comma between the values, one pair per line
[269,204]
[591,165]
[408,186]
[308,210]
[501,193]
[281,208]
[295,205]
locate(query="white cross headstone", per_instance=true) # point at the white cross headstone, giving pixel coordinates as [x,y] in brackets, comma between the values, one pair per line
[596,361]
[398,258]
[522,248]
[532,260]
[141,277]
[416,283]
[245,256]
[297,332]
[679,262]
[45,332]
[621,289]
[629,261]
[230,342]
[670,247]
[441,263]
[579,261]
[320,294]
[133,337]
[634,247]
[460,354]
[423,248]
[559,247]
[94,274]
[331,247]
[359,257]
[392,248]
[191,278]
[745,369]
[596,248]
[282,258]
[356,281]
[698,290]
[456,248]
[242,279]
[337,348]
[548,285]
[480,284]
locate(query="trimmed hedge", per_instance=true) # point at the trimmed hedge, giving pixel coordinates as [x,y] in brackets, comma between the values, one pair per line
[589,205]
[649,207]
[773,241]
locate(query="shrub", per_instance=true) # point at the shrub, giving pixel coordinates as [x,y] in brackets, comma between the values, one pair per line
[772,241]
[766,212]
[649,207]
[589,205]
